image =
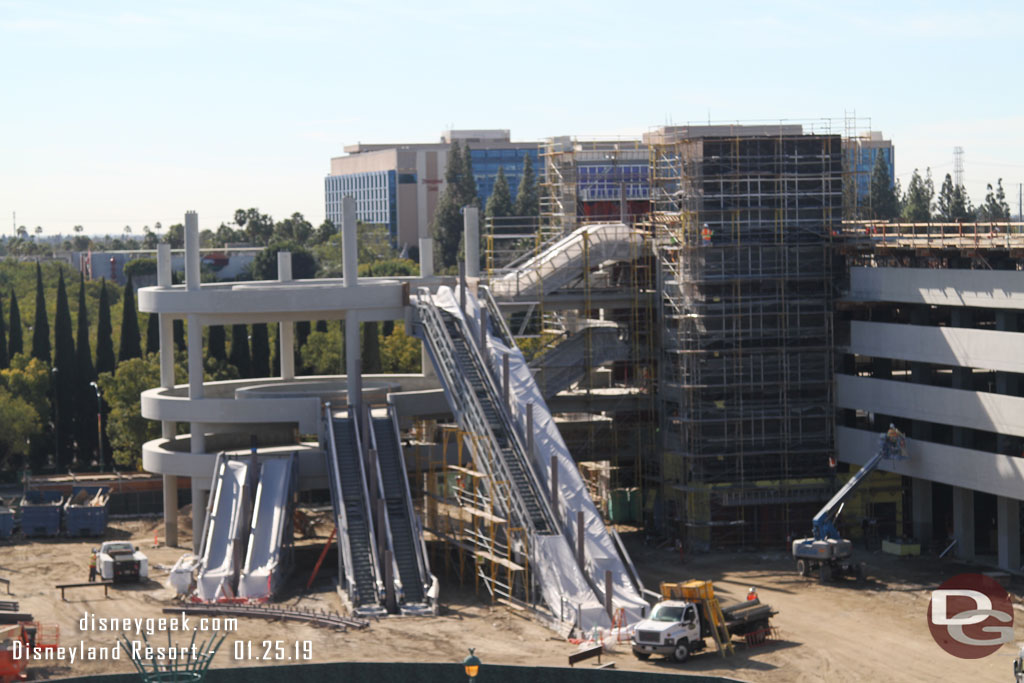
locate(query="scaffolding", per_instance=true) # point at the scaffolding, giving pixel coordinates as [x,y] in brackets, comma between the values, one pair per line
[744,219]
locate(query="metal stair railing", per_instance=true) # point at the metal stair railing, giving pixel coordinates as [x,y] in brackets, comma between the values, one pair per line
[504,333]
[566,362]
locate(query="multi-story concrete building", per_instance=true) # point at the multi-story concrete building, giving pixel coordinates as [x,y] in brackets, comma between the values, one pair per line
[929,339]
[398,185]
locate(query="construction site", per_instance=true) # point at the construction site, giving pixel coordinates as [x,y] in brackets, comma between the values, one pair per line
[688,364]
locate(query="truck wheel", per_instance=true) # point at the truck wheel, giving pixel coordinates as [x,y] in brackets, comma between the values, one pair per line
[801,567]
[682,651]
[642,656]
[825,573]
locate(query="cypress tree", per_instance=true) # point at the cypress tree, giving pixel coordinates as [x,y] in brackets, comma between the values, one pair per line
[85,397]
[179,335]
[302,329]
[64,362]
[41,326]
[215,343]
[275,360]
[467,183]
[105,360]
[240,350]
[131,338]
[527,202]
[499,204]
[371,349]
[260,350]
[17,344]
[153,333]
[5,360]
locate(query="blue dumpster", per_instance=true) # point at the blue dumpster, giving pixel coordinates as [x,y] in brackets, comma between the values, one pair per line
[85,513]
[40,513]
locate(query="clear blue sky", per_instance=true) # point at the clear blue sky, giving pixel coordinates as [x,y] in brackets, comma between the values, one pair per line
[115,113]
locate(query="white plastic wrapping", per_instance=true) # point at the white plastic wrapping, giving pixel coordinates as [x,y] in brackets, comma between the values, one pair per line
[224,532]
[269,523]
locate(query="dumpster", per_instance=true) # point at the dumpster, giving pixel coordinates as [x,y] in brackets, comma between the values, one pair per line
[618,506]
[85,513]
[40,513]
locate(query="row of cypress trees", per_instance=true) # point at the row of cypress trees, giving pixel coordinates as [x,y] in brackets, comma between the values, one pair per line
[73,400]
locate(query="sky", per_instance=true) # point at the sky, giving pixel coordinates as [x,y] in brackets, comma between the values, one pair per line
[131,113]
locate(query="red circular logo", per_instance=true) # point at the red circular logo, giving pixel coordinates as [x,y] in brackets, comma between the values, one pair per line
[970,616]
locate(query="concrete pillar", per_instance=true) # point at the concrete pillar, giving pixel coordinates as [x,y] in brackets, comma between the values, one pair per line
[426,257]
[921,511]
[200,497]
[963,522]
[920,373]
[471,231]
[462,286]
[191,251]
[353,360]
[350,253]
[1008,532]
[167,428]
[197,439]
[286,328]
[1006,382]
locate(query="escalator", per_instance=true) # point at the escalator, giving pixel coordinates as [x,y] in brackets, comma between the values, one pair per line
[406,540]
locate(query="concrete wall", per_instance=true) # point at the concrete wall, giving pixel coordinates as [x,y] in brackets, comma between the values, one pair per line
[953,346]
[940,287]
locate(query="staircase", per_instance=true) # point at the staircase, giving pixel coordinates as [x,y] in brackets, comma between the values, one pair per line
[567,363]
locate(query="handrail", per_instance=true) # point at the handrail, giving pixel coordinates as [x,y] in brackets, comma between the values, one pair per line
[495,314]
[335,480]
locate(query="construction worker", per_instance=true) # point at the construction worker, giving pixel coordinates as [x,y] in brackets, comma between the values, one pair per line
[92,568]
[752,593]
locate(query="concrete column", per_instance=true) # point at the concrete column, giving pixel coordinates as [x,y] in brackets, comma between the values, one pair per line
[462,286]
[471,231]
[963,522]
[200,497]
[192,251]
[286,328]
[920,373]
[426,257]
[353,360]
[1006,382]
[921,511]
[350,253]
[167,428]
[1008,532]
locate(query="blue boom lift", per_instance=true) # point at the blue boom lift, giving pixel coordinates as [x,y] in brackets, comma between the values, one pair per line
[826,552]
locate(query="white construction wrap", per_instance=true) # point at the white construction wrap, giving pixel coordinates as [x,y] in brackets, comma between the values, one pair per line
[224,532]
[600,552]
[269,524]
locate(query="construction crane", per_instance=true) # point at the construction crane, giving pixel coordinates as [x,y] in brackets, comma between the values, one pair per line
[826,552]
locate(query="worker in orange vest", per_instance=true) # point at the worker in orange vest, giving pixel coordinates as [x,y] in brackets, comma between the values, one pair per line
[752,593]
[92,568]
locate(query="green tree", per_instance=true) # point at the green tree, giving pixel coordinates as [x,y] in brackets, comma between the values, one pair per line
[5,359]
[85,407]
[260,350]
[918,200]
[459,191]
[215,341]
[29,379]
[16,344]
[131,338]
[325,232]
[499,204]
[295,229]
[20,422]
[240,350]
[467,181]
[258,226]
[884,203]
[995,207]
[322,353]
[127,430]
[152,333]
[527,201]
[264,266]
[371,349]
[400,353]
[41,326]
[65,377]
[105,359]
[180,343]
[302,330]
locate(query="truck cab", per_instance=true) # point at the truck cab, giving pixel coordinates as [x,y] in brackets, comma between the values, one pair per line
[674,630]
[120,561]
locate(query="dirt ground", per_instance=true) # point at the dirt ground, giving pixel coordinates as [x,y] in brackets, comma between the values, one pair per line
[836,633]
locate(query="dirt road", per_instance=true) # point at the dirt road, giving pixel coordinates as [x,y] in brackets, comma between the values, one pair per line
[834,633]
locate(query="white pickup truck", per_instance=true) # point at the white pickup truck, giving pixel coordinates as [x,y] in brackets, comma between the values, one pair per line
[677,628]
[121,562]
